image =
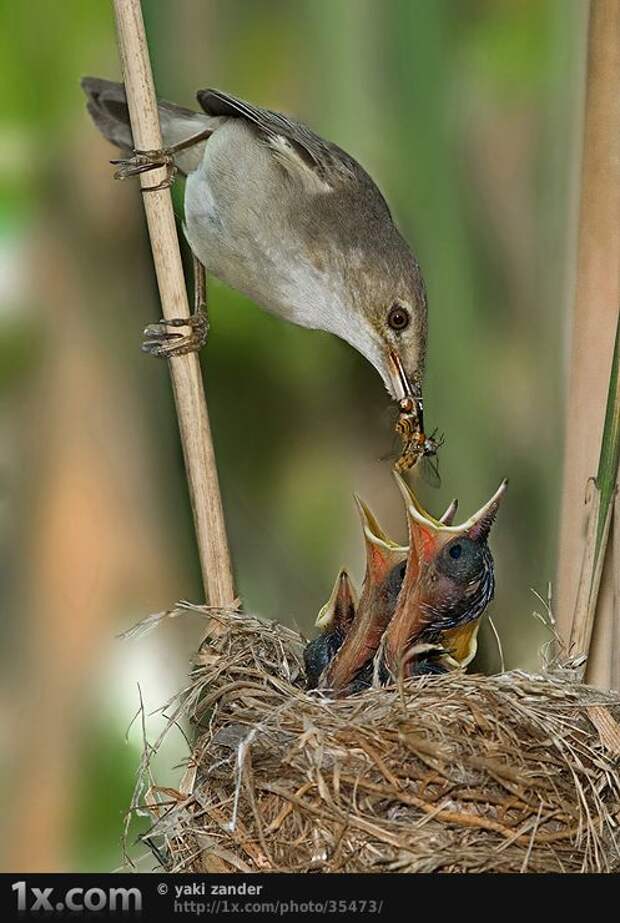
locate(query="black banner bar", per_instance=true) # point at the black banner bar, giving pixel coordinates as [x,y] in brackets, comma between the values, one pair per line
[269,897]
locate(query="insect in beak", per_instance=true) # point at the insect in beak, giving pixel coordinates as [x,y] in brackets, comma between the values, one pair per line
[409,425]
[416,445]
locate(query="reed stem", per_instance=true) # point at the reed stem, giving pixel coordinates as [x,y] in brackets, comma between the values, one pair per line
[185,372]
[584,598]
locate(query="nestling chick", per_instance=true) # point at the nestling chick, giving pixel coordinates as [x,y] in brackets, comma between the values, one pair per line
[385,568]
[334,620]
[386,563]
[420,607]
[448,584]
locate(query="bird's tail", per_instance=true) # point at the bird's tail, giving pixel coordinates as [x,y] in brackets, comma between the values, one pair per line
[107,105]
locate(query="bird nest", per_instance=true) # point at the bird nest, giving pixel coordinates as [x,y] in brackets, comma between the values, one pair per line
[452,773]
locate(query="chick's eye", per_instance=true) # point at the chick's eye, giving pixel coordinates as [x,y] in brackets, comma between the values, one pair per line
[462,560]
[398,317]
[394,582]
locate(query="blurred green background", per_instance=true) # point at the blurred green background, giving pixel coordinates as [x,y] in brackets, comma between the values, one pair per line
[467,113]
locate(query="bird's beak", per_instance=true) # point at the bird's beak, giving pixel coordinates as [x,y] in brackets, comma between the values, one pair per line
[381,552]
[426,529]
[339,610]
[402,386]
[427,536]
[461,644]
[479,525]
[372,615]
[448,517]
[403,626]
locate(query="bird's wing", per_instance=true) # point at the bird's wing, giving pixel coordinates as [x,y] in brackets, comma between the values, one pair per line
[300,151]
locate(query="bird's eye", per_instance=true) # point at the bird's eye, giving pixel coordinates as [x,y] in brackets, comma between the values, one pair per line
[462,560]
[393,583]
[398,317]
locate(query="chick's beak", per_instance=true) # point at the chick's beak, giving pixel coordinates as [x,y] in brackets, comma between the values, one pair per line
[450,513]
[477,526]
[407,619]
[339,610]
[381,552]
[362,640]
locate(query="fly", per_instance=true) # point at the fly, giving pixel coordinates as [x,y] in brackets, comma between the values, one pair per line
[418,449]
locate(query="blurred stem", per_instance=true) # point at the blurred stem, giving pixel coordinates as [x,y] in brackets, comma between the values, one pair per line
[584,598]
[601,506]
[607,475]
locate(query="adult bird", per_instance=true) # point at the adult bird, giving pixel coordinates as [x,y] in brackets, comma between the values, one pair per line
[290,220]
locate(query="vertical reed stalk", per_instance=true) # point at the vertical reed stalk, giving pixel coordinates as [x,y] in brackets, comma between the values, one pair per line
[600,503]
[185,371]
[584,587]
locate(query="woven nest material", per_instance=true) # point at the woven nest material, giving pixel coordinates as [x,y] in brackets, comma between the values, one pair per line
[449,773]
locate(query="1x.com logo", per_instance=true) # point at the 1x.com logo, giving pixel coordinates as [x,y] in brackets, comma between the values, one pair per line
[77,899]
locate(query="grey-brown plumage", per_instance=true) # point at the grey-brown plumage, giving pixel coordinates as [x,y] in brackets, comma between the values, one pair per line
[292,221]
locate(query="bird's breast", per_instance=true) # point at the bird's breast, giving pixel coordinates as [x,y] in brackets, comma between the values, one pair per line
[258,252]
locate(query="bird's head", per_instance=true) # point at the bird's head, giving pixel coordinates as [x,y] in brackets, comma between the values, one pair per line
[401,329]
[334,620]
[382,307]
[339,610]
[448,583]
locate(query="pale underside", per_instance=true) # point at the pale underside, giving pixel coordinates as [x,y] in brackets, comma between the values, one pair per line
[244,232]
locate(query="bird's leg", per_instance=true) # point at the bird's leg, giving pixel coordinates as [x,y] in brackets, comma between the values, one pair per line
[164,344]
[145,161]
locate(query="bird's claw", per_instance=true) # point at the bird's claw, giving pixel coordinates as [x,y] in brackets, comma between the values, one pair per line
[163,344]
[145,161]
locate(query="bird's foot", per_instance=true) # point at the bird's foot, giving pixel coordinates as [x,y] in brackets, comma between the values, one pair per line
[163,344]
[145,161]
